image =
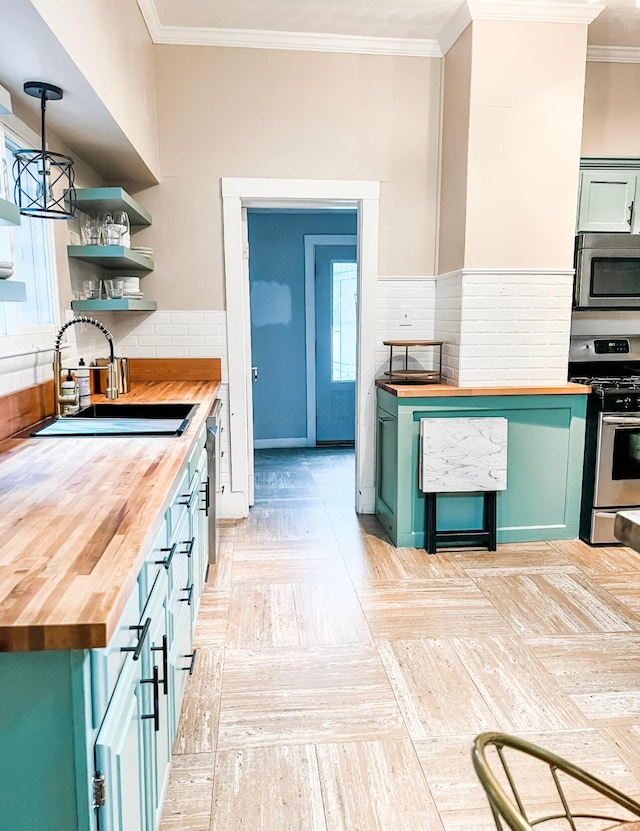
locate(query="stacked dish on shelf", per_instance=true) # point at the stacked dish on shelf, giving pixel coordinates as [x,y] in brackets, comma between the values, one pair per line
[143,250]
[6,269]
[131,288]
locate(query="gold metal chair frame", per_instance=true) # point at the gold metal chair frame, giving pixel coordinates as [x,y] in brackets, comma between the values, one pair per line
[509,808]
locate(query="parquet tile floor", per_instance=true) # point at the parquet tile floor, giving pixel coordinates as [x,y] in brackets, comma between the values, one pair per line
[340,681]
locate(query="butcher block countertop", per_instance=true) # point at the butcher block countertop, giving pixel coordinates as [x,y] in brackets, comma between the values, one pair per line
[449,390]
[78,517]
[627,528]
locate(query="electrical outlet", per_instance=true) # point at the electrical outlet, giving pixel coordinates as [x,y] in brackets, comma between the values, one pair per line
[405,315]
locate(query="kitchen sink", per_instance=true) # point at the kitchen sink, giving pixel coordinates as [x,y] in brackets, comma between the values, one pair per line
[129,411]
[119,420]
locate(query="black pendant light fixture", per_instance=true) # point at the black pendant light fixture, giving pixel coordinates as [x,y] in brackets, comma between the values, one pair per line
[37,173]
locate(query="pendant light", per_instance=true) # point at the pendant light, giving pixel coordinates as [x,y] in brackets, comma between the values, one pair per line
[40,173]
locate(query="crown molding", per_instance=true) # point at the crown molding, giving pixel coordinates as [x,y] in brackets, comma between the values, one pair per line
[301,41]
[150,17]
[454,28]
[613,54]
[533,11]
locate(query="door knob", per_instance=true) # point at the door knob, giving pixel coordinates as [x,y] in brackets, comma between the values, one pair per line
[254,373]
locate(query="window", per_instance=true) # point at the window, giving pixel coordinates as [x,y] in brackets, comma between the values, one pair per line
[30,248]
[344,286]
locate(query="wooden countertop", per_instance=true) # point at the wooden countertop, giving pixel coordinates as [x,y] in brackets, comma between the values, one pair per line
[449,390]
[78,517]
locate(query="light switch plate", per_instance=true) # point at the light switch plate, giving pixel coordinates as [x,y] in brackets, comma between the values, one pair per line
[405,315]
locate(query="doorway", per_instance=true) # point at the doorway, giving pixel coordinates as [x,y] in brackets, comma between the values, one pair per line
[302,291]
[238,194]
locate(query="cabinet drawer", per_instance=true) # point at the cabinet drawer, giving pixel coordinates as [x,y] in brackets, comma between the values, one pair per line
[107,663]
[196,453]
[180,505]
[157,559]
[181,661]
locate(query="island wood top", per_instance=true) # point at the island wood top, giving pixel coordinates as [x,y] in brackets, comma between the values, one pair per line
[449,390]
[78,517]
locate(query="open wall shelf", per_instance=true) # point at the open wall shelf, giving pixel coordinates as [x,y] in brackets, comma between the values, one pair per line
[12,291]
[9,213]
[95,200]
[123,305]
[115,257]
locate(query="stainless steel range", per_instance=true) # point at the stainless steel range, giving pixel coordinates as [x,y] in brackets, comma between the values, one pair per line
[612,452]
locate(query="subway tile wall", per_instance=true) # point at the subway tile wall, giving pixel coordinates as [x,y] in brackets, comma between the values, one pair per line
[511,328]
[448,320]
[395,294]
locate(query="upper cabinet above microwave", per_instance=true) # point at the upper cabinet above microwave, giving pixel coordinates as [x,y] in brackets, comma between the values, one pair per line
[607,196]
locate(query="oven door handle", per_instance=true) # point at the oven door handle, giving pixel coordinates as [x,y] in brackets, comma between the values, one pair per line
[621,421]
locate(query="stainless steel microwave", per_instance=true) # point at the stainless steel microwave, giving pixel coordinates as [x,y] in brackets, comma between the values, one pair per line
[607,271]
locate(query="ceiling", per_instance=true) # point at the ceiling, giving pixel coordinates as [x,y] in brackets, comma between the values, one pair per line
[617,26]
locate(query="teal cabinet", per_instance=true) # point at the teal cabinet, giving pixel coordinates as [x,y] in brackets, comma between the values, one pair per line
[544,469]
[120,757]
[607,201]
[86,735]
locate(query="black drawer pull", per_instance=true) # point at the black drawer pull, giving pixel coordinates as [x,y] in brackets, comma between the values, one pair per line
[144,631]
[189,546]
[205,491]
[167,560]
[165,663]
[192,665]
[188,497]
[155,715]
[189,597]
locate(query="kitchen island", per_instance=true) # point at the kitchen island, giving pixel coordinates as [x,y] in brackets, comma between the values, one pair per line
[546,427]
[103,550]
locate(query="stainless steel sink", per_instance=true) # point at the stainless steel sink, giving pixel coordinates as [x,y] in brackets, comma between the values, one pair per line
[119,420]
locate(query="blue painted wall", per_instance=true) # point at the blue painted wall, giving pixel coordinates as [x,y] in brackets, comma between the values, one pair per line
[278,329]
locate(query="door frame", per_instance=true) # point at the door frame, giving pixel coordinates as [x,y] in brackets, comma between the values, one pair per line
[238,193]
[311,242]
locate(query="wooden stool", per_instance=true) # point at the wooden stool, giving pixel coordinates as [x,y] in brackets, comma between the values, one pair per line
[487,535]
[463,455]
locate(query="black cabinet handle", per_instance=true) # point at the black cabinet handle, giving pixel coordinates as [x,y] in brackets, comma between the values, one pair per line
[630,213]
[167,560]
[155,715]
[205,490]
[144,631]
[189,597]
[165,663]
[188,497]
[189,546]
[192,664]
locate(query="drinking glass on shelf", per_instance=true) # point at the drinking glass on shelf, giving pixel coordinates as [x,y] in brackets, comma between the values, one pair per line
[121,221]
[104,220]
[115,288]
[91,289]
[91,232]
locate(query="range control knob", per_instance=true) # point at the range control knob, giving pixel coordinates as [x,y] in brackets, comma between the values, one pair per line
[627,402]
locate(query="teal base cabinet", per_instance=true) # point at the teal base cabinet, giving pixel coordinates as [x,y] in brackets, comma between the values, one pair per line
[86,735]
[544,468]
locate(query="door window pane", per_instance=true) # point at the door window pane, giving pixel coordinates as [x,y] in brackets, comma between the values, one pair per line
[344,292]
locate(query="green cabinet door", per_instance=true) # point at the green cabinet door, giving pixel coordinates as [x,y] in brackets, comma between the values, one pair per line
[155,660]
[120,755]
[607,199]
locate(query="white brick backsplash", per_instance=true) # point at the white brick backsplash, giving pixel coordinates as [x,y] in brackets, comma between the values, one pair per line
[418,293]
[510,328]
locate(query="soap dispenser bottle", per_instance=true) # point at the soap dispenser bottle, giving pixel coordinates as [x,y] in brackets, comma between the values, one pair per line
[84,385]
[69,395]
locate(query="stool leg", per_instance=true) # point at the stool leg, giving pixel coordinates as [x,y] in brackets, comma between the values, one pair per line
[430,522]
[491,518]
